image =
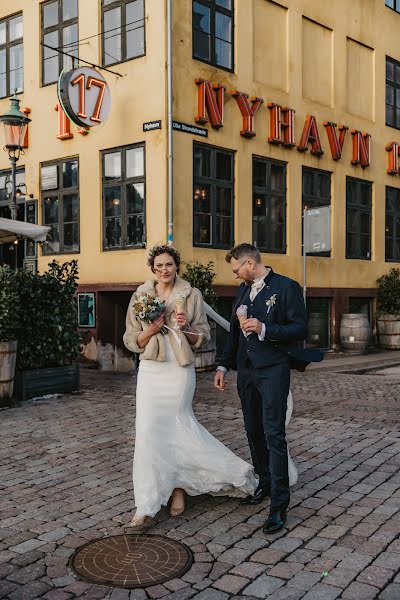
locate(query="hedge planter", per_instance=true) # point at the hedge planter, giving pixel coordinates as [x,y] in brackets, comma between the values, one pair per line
[40,382]
[389,331]
[8,356]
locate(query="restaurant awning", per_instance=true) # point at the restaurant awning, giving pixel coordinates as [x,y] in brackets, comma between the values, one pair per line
[11,230]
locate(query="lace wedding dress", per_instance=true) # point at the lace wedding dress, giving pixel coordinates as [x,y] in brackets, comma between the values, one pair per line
[172,449]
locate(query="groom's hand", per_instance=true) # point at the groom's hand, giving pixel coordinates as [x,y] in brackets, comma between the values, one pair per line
[219,380]
[252,325]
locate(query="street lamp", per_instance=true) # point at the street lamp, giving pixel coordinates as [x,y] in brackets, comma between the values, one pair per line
[14,124]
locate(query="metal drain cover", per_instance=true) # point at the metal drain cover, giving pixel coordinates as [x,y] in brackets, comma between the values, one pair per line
[131,561]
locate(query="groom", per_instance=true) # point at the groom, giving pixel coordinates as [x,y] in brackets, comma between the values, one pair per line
[262,351]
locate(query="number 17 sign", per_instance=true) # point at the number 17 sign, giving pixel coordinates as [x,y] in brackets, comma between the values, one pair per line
[84,96]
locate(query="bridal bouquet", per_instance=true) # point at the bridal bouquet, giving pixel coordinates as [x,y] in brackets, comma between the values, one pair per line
[148,308]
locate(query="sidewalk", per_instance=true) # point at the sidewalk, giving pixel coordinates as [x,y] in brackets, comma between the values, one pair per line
[65,478]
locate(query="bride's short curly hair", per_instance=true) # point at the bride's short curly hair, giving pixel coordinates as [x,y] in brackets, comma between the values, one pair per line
[164,249]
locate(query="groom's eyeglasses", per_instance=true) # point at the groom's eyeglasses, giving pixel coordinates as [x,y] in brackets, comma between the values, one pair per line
[236,271]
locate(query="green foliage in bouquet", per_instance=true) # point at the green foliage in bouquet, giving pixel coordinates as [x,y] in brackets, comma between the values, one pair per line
[48,335]
[201,277]
[389,293]
[9,305]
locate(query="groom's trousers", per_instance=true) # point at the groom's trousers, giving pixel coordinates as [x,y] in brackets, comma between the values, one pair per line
[263,393]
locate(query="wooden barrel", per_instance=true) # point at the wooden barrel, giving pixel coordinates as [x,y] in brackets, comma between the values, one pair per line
[389,331]
[205,356]
[8,357]
[316,326]
[355,333]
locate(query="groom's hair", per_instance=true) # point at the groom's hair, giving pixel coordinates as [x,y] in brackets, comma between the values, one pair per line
[242,251]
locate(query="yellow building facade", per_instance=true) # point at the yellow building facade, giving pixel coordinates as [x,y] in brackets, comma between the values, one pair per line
[237,177]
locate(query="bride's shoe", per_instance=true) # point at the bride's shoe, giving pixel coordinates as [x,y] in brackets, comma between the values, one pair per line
[139,520]
[178,503]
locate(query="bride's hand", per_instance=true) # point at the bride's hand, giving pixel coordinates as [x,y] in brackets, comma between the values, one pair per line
[156,326]
[181,320]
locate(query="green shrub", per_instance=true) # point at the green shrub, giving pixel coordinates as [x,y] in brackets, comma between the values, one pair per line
[48,335]
[388,301]
[201,277]
[9,305]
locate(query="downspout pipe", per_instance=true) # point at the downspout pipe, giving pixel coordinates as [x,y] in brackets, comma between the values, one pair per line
[169,119]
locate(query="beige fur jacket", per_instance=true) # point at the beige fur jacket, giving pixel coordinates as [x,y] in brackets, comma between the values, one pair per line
[155,349]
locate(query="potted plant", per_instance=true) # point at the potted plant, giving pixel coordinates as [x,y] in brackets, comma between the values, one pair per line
[9,328]
[201,277]
[48,343]
[388,309]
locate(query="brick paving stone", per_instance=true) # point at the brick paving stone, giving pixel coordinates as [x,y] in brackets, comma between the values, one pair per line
[392,592]
[285,593]
[333,532]
[263,586]
[302,533]
[304,580]
[323,592]
[157,591]
[340,577]
[321,565]
[211,594]
[120,594]
[55,534]
[77,588]
[30,591]
[232,584]
[360,591]
[59,595]
[251,570]
[320,543]
[203,584]
[285,570]
[6,587]
[27,574]
[179,595]
[27,546]
[138,595]
[268,556]
[286,544]
[252,543]
[219,569]
[175,584]
[377,576]
[390,560]
[235,556]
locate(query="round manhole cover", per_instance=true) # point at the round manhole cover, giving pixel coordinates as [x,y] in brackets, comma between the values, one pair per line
[131,561]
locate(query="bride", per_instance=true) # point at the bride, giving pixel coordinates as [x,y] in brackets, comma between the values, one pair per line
[174,454]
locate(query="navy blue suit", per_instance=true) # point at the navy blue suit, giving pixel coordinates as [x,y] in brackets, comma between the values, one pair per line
[264,375]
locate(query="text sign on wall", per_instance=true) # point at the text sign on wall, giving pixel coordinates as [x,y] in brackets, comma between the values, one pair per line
[317,229]
[84,96]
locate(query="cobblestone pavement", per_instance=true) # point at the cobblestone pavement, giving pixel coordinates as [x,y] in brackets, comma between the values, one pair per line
[65,478]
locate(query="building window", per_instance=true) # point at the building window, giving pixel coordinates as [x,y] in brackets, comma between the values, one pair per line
[392,93]
[11,56]
[316,188]
[213,32]
[358,218]
[394,4]
[124,197]
[392,226]
[59,30]
[212,197]
[319,321]
[269,205]
[123,30]
[60,200]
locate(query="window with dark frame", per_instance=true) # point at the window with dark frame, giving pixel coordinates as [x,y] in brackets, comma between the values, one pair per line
[124,204]
[123,27]
[316,191]
[212,196]
[358,218]
[269,205]
[11,56]
[392,93]
[59,183]
[212,29]
[392,225]
[59,30]
[394,4]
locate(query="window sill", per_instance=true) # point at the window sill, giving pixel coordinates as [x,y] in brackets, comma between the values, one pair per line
[206,62]
[121,62]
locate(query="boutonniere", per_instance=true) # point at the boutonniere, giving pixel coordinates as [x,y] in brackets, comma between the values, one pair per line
[271,302]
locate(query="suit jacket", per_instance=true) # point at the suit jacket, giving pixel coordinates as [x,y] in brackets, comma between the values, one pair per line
[280,306]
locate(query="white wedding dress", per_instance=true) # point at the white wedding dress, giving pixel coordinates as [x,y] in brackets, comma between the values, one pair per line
[172,449]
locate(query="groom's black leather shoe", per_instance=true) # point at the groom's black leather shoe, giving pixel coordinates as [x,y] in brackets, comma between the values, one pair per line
[275,522]
[259,495]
